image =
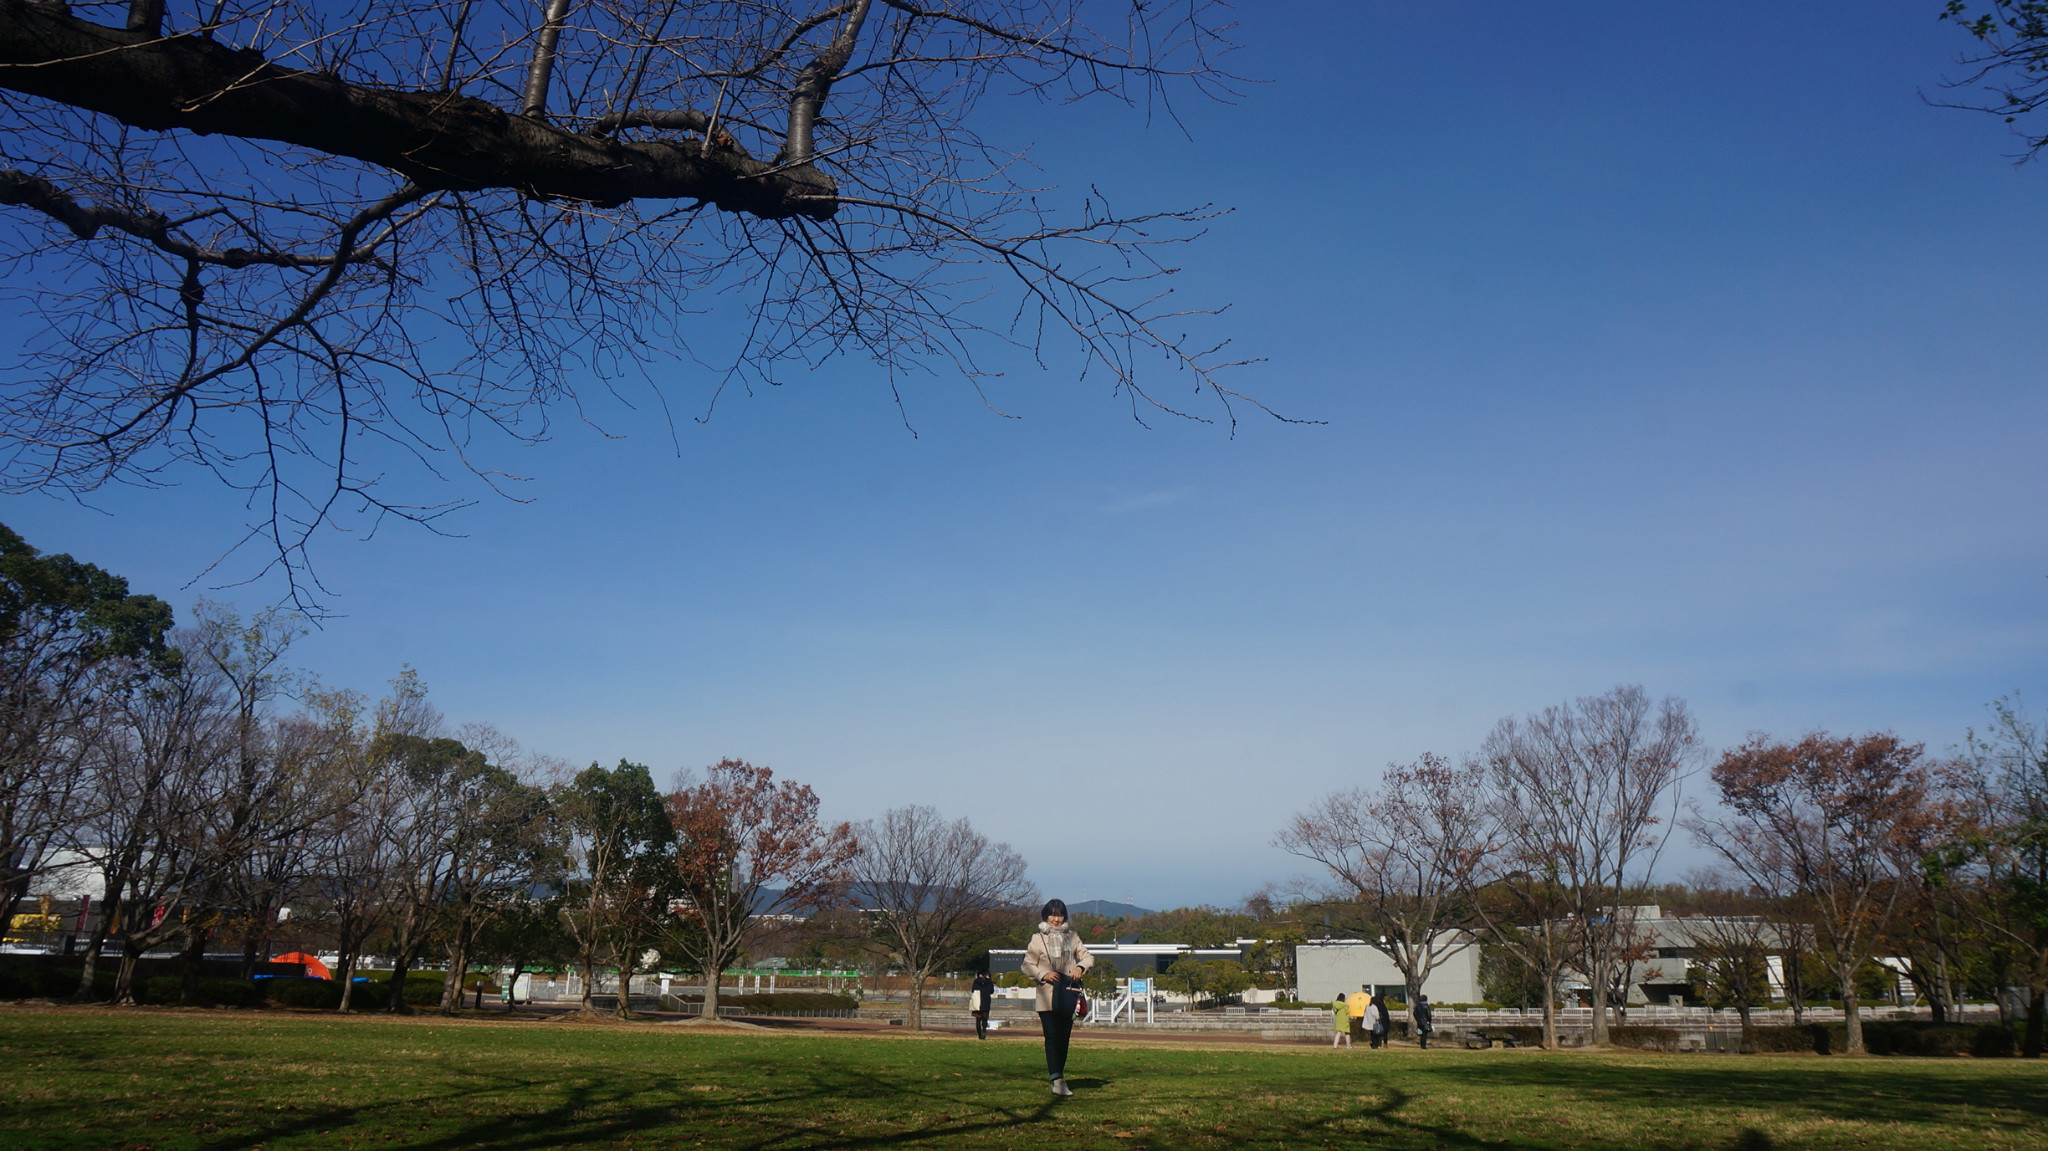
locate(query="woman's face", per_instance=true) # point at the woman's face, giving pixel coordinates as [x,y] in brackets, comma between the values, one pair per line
[1055,921]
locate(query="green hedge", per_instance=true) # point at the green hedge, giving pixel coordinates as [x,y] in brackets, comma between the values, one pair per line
[51,982]
[213,992]
[321,993]
[1640,1037]
[1886,1037]
[769,1002]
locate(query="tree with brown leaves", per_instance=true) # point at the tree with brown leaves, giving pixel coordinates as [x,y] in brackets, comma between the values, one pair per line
[748,850]
[1829,824]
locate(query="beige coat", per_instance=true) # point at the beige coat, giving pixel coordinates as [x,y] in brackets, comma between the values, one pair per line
[1038,958]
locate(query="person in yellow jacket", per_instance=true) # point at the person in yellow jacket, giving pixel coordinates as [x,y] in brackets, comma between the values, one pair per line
[1356,1007]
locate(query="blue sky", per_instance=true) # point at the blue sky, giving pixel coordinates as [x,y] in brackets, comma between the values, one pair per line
[1681,345]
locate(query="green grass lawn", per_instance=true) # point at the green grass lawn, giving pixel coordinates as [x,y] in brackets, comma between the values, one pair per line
[164,1080]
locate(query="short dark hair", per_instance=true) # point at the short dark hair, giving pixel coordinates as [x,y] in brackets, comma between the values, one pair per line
[1054,907]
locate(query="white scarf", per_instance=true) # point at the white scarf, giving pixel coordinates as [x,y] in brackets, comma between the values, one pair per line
[1056,947]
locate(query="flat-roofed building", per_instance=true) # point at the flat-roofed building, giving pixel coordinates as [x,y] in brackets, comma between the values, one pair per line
[1327,968]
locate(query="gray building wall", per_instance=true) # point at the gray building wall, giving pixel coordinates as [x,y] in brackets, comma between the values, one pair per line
[1326,969]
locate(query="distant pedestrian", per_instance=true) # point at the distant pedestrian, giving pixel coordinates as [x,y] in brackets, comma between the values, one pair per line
[1342,1010]
[1355,1008]
[980,997]
[1382,1021]
[1057,960]
[1423,1018]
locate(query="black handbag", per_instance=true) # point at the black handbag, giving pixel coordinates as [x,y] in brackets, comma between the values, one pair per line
[1068,996]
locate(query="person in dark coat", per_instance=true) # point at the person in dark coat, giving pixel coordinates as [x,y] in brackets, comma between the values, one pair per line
[1424,1020]
[980,997]
[1382,1021]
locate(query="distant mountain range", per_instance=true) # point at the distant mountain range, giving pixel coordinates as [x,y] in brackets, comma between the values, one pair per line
[1107,909]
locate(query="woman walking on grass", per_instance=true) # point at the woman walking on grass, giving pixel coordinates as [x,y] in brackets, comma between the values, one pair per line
[1342,1009]
[980,1000]
[1056,959]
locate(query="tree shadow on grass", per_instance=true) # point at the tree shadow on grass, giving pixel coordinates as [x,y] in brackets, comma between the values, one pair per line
[1859,1089]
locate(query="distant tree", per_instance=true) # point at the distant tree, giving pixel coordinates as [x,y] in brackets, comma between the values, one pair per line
[620,846]
[1583,795]
[931,887]
[1212,979]
[1403,857]
[501,828]
[66,629]
[1731,960]
[747,847]
[2007,845]
[1829,822]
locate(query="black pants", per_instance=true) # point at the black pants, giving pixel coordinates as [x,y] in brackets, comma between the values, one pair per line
[1058,1027]
[981,1025]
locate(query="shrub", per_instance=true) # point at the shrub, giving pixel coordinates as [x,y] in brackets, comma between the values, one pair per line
[16,984]
[289,992]
[369,995]
[216,992]
[1886,1037]
[422,988]
[1991,1042]
[1644,1038]
[1812,1037]
[770,1002]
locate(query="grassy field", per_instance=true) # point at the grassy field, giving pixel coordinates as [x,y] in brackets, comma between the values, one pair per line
[165,1080]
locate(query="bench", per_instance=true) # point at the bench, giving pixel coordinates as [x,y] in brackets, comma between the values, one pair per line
[1479,1040]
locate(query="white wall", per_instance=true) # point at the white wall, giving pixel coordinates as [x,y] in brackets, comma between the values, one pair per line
[1325,970]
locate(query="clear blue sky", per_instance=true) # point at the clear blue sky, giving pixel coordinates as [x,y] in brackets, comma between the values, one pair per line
[1682,345]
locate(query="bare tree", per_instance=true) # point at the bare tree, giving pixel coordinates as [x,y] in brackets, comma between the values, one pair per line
[931,887]
[151,818]
[2006,850]
[1732,954]
[747,847]
[1407,853]
[1829,822]
[1585,793]
[256,219]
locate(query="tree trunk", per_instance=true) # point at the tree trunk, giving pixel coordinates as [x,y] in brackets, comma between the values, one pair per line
[627,966]
[458,970]
[1852,1012]
[399,967]
[916,1020]
[2037,1007]
[1795,989]
[346,966]
[124,980]
[194,961]
[589,1007]
[1601,977]
[1549,990]
[97,942]
[713,976]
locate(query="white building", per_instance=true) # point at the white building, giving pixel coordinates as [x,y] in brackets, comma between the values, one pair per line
[1327,968]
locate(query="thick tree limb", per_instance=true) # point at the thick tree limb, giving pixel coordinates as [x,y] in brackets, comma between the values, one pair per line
[85,223]
[437,140]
